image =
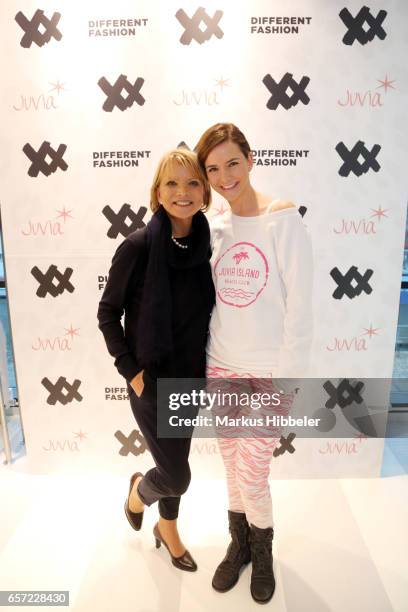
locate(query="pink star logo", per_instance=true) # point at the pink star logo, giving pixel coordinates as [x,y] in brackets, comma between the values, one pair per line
[57,87]
[80,434]
[221,83]
[64,214]
[220,211]
[72,331]
[386,84]
[360,436]
[379,212]
[371,331]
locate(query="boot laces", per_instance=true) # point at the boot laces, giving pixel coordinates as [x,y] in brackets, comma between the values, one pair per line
[238,542]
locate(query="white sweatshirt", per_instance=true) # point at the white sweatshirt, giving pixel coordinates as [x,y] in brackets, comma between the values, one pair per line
[263,272]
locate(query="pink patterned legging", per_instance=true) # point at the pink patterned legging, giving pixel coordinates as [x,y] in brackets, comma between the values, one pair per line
[247,459]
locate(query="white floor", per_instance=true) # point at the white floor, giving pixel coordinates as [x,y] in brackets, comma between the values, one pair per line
[339,545]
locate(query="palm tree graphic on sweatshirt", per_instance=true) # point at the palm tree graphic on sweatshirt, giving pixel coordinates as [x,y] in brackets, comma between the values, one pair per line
[238,257]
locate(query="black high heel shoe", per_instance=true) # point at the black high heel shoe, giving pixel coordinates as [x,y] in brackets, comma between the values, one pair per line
[134,518]
[184,562]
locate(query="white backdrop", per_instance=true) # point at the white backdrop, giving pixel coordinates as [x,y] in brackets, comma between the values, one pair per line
[56,76]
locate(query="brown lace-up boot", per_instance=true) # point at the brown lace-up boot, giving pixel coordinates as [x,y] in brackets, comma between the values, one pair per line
[238,553]
[262,578]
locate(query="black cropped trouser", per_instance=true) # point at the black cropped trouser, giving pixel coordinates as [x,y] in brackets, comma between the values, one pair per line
[171,477]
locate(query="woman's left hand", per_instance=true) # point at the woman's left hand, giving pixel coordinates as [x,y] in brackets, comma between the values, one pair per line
[137,383]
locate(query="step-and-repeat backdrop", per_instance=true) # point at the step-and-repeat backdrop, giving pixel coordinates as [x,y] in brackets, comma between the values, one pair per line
[95,92]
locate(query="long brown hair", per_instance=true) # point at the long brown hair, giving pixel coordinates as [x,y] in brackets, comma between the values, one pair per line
[217,134]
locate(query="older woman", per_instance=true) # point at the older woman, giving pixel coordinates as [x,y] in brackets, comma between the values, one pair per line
[161,279]
[260,328]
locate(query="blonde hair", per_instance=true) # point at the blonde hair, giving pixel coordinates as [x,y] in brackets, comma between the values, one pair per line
[187,159]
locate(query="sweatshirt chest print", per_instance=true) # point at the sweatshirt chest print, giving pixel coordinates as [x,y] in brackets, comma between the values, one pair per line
[241,274]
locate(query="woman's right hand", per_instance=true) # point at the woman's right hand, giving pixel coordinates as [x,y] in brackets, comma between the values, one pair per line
[137,383]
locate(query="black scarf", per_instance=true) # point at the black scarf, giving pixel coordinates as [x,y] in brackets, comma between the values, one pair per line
[154,327]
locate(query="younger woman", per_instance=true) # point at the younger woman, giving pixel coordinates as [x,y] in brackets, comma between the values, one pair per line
[260,328]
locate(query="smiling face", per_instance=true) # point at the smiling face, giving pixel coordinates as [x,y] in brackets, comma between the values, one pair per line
[228,170]
[180,191]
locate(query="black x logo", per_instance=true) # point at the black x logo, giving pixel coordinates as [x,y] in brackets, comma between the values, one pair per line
[62,391]
[344,394]
[286,445]
[128,443]
[192,26]
[278,91]
[119,220]
[356,26]
[114,93]
[32,28]
[47,281]
[351,161]
[183,145]
[39,163]
[345,282]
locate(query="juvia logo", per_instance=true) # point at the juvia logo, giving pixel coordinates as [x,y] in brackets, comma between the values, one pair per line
[39,29]
[364,27]
[39,162]
[351,158]
[125,221]
[193,29]
[53,282]
[114,96]
[278,91]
